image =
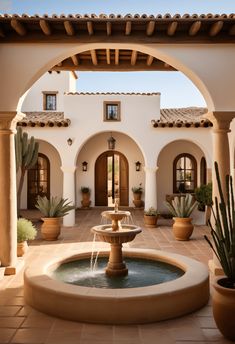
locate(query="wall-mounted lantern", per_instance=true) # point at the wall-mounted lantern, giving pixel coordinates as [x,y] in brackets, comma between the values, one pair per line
[84,166]
[70,142]
[111,142]
[137,166]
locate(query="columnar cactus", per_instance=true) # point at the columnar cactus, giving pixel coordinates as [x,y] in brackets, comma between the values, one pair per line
[26,157]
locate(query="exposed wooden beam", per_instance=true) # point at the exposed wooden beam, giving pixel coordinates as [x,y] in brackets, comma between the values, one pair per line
[18,27]
[166,65]
[108,56]
[69,28]
[232,30]
[134,55]
[194,28]
[75,60]
[59,64]
[150,28]
[149,60]
[128,28]
[94,57]
[109,28]
[90,28]
[1,33]
[74,74]
[215,28]
[172,27]
[116,56]
[45,27]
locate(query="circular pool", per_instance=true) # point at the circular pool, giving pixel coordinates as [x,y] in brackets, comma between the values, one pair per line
[118,305]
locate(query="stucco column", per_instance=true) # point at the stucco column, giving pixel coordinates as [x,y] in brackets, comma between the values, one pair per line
[221,127]
[69,192]
[150,187]
[8,212]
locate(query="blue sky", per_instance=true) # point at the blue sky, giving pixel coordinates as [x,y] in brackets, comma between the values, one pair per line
[176,90]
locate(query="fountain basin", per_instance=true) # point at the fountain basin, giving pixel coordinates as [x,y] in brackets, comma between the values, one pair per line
[124,234]
[118,306]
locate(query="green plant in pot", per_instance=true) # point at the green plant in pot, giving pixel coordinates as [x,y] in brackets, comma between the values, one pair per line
[137,193]
[86,193]
[203,195]
[181,208]
[25,231]
[150,217]
[223,246]
[53,210]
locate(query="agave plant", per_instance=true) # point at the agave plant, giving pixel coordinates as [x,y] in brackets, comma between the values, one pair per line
[182,206]
[54,207]
[223,230]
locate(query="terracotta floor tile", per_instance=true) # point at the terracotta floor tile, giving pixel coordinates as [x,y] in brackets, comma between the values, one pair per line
[11,322]
[6,334]
[9,310]
[31,336]
[62,337]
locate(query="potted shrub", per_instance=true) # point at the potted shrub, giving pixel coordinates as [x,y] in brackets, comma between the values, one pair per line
[223,246]
[25,231]
[53,210]
[150,217]
[181,208]
[203,195]
[86,193]
[137,194]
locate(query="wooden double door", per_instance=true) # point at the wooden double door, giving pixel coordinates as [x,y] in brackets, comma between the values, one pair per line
[111,179]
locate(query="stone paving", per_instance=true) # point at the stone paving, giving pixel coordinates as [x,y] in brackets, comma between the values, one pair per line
[19,323]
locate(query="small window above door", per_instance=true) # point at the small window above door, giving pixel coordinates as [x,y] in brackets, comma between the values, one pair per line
[111,111]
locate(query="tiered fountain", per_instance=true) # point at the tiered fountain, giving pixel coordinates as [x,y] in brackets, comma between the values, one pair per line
[116,235]
[111,304]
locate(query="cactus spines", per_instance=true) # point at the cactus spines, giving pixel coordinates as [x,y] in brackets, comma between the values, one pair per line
[26,152]
[223,231]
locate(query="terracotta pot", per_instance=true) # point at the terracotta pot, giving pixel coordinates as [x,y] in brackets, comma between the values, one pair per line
[182,228]
[22,248]
[137,196]
[86,200]
[223,303]
[50,229]
[150,221]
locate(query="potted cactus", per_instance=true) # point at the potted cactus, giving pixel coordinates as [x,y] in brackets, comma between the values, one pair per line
[223,246]
[53,210]
[181,208]
[25,231]
[150,217]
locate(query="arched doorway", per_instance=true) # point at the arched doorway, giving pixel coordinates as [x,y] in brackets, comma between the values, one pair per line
[38,181]
[111,179]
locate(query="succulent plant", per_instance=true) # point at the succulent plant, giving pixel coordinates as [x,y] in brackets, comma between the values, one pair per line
[151,212]
[182,206]
[137,189]
[223,229]
[54,207]
[25,230]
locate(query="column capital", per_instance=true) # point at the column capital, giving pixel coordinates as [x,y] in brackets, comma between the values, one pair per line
[151,169]
[9,119]
[68,169]
[221,120]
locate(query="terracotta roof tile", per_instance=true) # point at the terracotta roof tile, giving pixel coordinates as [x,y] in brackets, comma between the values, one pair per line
[44,119]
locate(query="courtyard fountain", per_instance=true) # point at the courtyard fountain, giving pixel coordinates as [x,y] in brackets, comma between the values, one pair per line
[147,300]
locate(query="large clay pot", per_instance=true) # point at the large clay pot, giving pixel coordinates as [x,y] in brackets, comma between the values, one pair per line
[182,228]
[150,221]
[86,200]
[50,229]
[223,303]
[22,248]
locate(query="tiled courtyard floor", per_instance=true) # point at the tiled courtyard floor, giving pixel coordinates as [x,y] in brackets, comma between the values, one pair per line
[20,323]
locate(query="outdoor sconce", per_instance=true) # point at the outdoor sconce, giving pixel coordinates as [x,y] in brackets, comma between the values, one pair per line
[70,142]
[137,166]
[84,166]
[111,142]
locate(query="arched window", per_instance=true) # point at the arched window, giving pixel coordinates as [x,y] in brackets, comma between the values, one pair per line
[185,173]
[38,180]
